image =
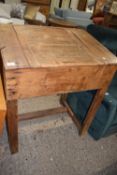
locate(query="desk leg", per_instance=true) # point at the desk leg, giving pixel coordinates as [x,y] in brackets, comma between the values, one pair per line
[91,113]
[12,125]
[92,110]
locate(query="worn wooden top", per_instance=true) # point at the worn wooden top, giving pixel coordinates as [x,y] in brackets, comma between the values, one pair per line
[37,46]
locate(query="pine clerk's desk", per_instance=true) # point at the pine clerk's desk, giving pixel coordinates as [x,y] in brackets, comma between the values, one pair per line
[40,61]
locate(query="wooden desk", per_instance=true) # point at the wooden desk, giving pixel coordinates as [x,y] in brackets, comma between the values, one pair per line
[39,61]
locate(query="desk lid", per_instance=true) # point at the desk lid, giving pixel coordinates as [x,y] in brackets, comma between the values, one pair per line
[38,46]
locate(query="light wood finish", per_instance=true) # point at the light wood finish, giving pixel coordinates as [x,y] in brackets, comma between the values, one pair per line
[46,81]
[40,61]
[2,107]
[9,46]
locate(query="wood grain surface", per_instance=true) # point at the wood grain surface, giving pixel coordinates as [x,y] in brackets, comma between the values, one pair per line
[2,107]
[11,52]
[12,125]
[47,81]
[34,47]
[49,60]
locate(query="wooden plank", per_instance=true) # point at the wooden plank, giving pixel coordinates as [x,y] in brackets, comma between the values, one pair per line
[44,113]
[48,46]
[2,107]
[92,110]
[48,81]
[12,53]
[95,48]
[71,114]
[51,47]
[12,125]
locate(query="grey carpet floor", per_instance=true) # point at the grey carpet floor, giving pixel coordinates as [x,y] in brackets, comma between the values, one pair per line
[52,146]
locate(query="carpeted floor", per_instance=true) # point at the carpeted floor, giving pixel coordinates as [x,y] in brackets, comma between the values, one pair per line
[52,146]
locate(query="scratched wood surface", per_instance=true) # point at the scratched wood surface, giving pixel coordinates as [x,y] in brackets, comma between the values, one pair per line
[33,47]
[11,50]
[47,81]
[46,60]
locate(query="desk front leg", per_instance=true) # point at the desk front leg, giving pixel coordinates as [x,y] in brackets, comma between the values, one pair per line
[12,125]
[92,110]
[107,77]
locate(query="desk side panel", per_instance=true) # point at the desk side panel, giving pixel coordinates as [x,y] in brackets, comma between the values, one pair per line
[24,83]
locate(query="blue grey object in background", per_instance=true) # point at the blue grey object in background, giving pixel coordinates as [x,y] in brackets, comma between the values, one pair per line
[80,18]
